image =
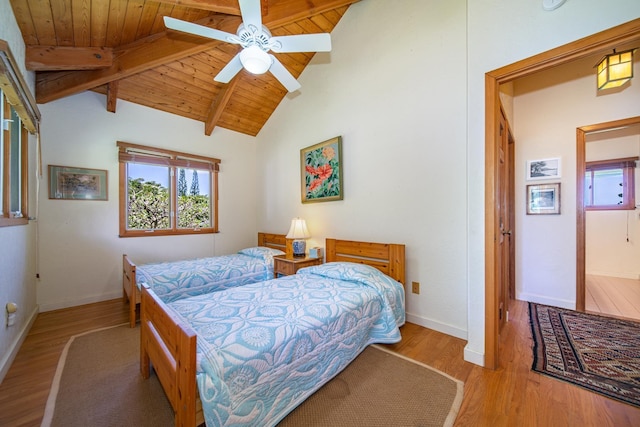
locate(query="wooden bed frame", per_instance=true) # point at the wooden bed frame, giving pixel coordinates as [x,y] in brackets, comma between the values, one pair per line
[170,345]
[131,293]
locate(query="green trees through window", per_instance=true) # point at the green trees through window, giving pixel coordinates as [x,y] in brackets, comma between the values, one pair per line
[148,205]
[166,192]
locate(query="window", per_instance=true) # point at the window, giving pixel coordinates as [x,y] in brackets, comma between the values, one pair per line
[164,192]
[13,166]
[18,115]
[609,184]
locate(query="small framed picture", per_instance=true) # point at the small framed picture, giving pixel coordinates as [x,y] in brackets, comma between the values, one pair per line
[543,169]
[71,183]
[543,199]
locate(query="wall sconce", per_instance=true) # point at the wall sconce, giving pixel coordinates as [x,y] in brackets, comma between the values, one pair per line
[299,233]
[615,69]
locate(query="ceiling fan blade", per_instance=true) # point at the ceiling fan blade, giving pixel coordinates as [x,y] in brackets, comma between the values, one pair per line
[251,13]
[283,75]
[230,70]
[198,30]
[302,43]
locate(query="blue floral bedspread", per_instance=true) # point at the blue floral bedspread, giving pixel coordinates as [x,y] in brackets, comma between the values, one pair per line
[179,279]
[265,347]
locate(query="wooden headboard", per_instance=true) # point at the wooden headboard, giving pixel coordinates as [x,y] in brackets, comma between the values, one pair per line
[386,257]
[273,241]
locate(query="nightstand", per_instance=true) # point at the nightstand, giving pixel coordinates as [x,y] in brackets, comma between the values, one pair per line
[286,265]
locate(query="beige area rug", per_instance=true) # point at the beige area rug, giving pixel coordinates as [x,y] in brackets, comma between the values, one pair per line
[98,384]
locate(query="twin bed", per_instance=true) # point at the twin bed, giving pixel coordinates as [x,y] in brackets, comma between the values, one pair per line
[175,280]
[251,354]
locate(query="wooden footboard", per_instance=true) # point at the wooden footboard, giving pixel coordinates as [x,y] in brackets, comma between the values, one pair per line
[169,346]
[129,289]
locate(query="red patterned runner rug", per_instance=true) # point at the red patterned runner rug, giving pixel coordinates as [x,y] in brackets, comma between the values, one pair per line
[598,353]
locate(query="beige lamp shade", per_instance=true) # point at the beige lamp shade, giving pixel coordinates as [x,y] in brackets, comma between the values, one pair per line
[298,229]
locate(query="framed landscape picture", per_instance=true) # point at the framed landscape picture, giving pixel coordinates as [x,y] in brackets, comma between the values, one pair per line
[543,199]
[543,169]
[321,171]
[70,183]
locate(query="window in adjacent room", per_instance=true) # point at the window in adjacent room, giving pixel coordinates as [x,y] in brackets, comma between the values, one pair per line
[13,166]
[609,184]
[164,192]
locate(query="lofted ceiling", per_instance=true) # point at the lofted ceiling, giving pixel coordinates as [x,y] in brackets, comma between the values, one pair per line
[122,49]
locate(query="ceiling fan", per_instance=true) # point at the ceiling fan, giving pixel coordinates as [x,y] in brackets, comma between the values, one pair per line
[256,42]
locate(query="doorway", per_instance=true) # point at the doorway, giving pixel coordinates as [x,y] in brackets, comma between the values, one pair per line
[598,43]
[582,134]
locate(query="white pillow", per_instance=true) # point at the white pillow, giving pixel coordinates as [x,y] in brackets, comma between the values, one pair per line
[261,252]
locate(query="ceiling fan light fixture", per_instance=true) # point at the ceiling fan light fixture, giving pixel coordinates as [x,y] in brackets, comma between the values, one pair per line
[255,60]
[256,42]
[615,69]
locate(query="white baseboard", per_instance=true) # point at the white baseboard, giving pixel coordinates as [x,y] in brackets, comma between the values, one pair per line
[632,276]
[473,356]
[541,299]
[10,355]
[79,301]
[437,326]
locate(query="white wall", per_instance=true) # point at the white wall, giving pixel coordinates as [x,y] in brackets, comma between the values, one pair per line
[17,244]
[613,237]
[79,248]
[548,108]
[414,135]
[403,129]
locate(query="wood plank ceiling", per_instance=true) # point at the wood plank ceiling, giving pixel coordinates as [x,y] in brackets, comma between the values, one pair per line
[122,49]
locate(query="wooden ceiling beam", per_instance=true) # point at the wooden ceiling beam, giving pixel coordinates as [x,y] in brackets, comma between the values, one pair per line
[56,58]
[273,13]
[229,7]
[131,59]
[218,106]
[288,11]
[112,96]
[169,46]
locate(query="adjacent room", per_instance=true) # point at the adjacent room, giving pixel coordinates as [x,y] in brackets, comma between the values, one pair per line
[461,169]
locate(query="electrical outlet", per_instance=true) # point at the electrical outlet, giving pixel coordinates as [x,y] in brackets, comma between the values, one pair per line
[415,287]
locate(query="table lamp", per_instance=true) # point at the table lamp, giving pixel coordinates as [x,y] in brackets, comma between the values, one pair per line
[299,233]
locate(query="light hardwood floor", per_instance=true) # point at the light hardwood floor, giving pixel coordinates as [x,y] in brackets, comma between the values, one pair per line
[613,296]
[510,396]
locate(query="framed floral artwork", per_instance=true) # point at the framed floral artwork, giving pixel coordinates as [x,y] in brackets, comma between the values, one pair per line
[321,171]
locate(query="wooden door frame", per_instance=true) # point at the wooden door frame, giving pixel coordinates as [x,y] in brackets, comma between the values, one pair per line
[581,168]
[601,42]
[512,216]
